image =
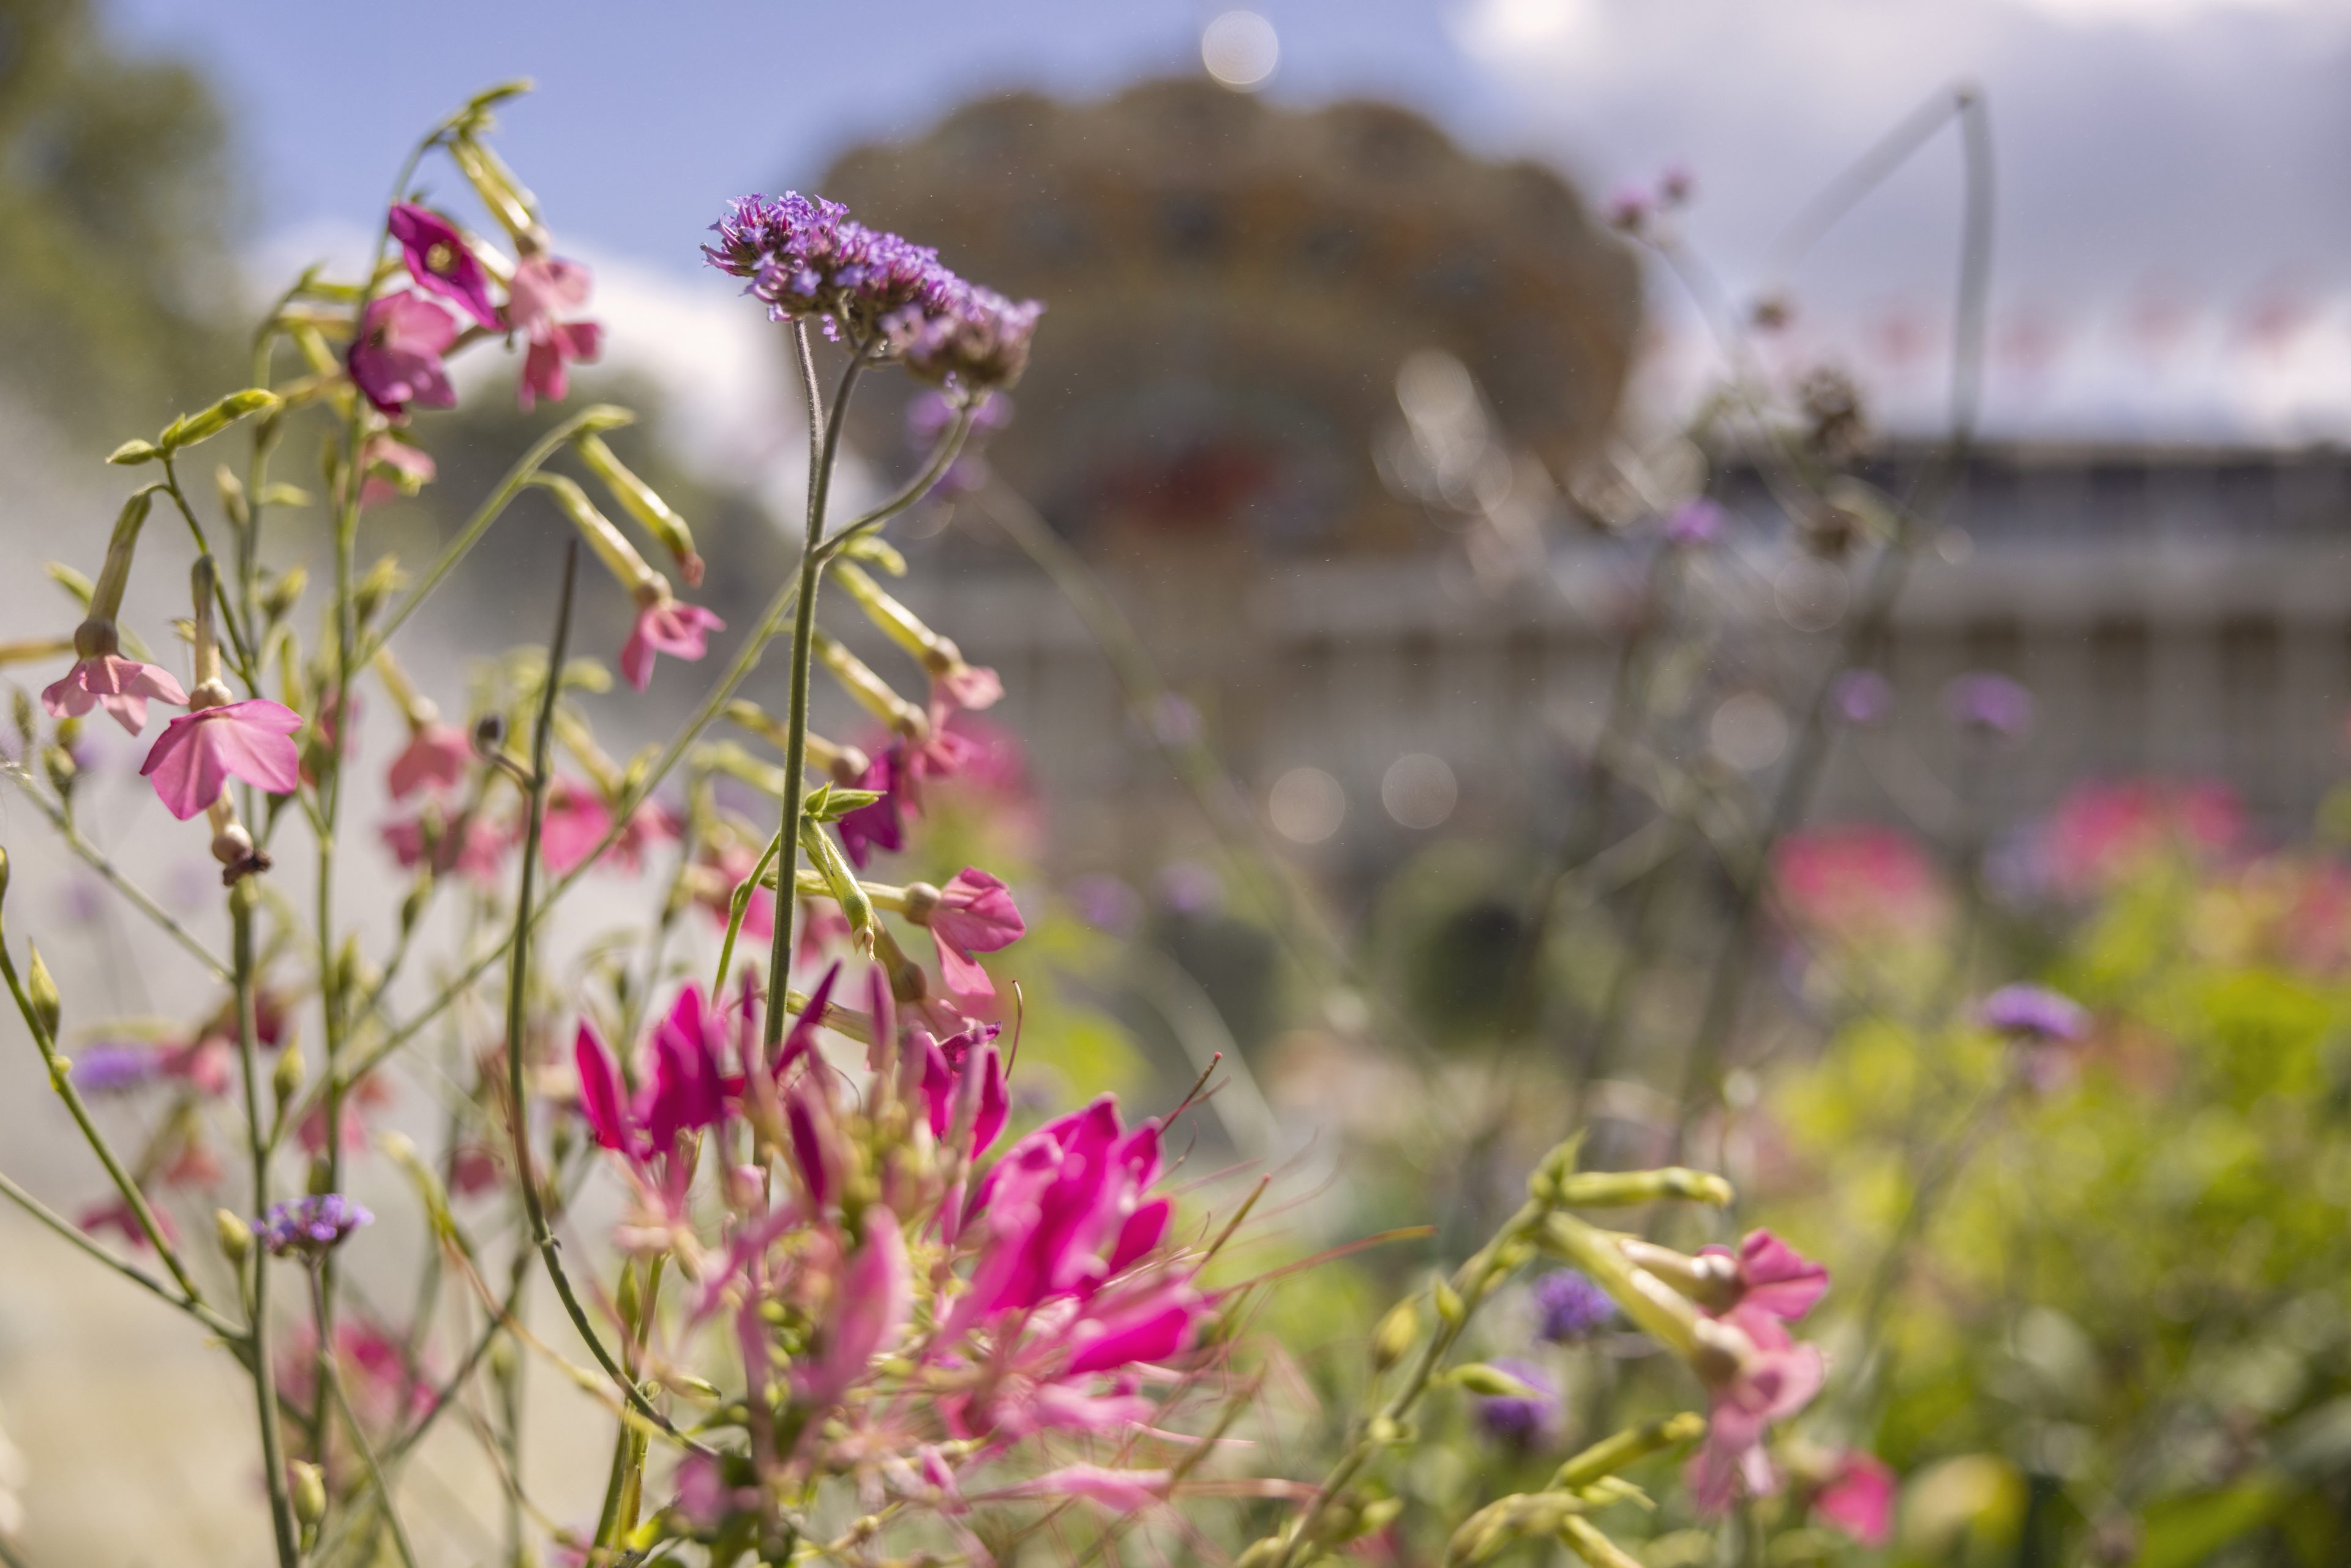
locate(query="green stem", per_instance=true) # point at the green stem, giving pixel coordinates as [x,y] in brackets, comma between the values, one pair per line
[245,665]
[61,1079]
[265,1382]
[825,426]
[332,1377]
[95,858]
[136,1275]
[518,1010]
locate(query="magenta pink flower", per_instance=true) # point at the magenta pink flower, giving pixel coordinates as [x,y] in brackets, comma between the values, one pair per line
[1772,1382]
[396,360]
[542,285]
[574,823]
[667,626]
[974,914]
[441,261]
[972,685]
[1776,1284]
[120,685]
[436,754]
[1858,1498]
[467,844]
[201,751]
[1120,1491]
[686,1090]
[115,1214]
[869,1310]
[393,468]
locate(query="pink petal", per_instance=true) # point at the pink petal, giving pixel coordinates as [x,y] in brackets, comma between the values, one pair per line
[964,977]
[869,1314]
[600,1090]
[1151,1335]
[972,686]
[1779,1280]
[637,655]
[1859,1499]
[1122,1492]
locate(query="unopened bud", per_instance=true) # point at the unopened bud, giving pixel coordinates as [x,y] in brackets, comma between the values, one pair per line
[189,429]
[383,580]
[309,1487]
[3,872]
[412,907]
[58,763]
[236,1235]
[285,1078]
[232,495]
[278,599]
[1448,1302]
[1397,1331]
[631,1298]
[1491,1382]
[922,902]
[41,990]
[1260,1554]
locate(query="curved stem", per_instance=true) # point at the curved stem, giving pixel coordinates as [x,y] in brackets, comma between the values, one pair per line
[96,859]
[136,1275]
[942,458]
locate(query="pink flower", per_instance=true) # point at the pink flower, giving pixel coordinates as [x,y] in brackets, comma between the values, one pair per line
[396,360]
[1775,1284]
[441,261]
[974,914]
[667,626]
[542,285]
[199,752]
[1858,1498]
[120,685]
[577,820]
[116,1215]
[972,685]
[467,844]
[1120,1491]
[686,1091]
[869,1313]
[1774,1381]
[437,753]
[393,468]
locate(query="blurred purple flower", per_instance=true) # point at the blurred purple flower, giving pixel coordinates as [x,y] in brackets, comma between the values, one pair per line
[1862,696]
[1572,1307]
[2033,1013]
[1994,705]
[1522,1421]
[112,1068]
[1106,904]
[1696,521]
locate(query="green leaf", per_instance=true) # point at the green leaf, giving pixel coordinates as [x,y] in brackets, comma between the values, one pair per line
[2181,1533]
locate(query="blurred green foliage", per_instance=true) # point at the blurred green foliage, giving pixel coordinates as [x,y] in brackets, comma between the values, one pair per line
[117,202]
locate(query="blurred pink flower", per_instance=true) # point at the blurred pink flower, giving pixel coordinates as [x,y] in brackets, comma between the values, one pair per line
[1120,1491]
[201,751]
[115,1214]
[396,359]
[1774,1284]
[543,285]
[1858,1498]
[466,843]
[1771,1382]
[666,626]
[436,754]
[1858,883]
[120,685]
[577,820]
[393,467]
[441,261]
[869,1310]
[2102,834]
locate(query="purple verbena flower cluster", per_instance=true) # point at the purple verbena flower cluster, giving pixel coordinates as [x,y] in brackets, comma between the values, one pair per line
[2033,1013]
[310,1226]
[1571,1307]
[806,256]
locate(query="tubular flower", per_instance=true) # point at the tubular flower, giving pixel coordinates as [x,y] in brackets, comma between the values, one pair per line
[437,753]
[1858,1498]
[396,358]
[1771,1382]
[441,261]
[201,751]
[973,913]
[577,820]
[665,625]
[543,286]
[2033,1014]
[121,686]
[465,843]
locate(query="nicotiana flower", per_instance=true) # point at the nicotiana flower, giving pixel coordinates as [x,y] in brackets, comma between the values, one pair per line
[436,754]
[393,467]
[1521,1420]
[546,287]
[106,680]
[2035,1014]
[1569,1307]
[396,358]
[1857,1498]
[577,820]
[466,843]
[442,263]
[310,1226]
[1770,1381]
[665,625]
[973,913]
[200,751]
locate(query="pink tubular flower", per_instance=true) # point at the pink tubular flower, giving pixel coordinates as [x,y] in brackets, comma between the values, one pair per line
[467,844]
[667,626]
[972,686]
[542,285]
[120,685]
[396,359]
[577,820]
[199,752]
[1858,1498]
[393,468]
[1772,1382]
[1120,1491]
[116,1215]
[1775,1284]
[436,754]
[974,913]
[869,1313]
[441,261]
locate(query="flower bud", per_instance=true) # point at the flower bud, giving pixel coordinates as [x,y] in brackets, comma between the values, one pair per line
[1397,1331]
[309,1487]
[232,495]
[639,500]
[1448,1302]
[191,428]
[3,872]
[236,1235]
[285,1078]
[285,589]
[42,992]
[1491,1382]
[383,580]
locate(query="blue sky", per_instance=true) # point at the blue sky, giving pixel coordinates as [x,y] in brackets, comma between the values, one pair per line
[2171,170]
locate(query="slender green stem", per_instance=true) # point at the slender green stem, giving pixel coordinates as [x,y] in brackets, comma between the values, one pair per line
[61,1079]
[941,457]
[740,906]
[96,859]
[136,1275]
[517,1014]
[245,670]
[241,900]
[331,1376]
[825,426]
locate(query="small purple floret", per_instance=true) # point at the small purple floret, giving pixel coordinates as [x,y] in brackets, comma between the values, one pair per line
[310,1226]
[1572,1308]
[1862,696]
[111,1069]
[1696,522]
[1992,704]
[2033,1013]
[1524,1423]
